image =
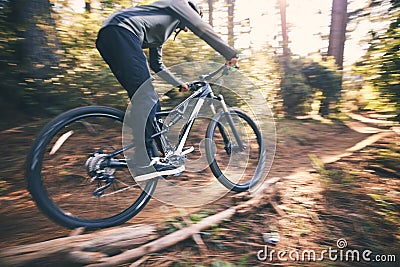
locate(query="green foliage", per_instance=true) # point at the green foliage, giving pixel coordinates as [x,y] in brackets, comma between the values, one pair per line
[81,77]
[390,158]
[197,217]
[83,70]
[187,47]
[295,92]
[8,64]
[331,176]
[263,70]
[324,77]
[302,78]
[4,185]
[386,53]
[177,223]
[381,64]
[219,263]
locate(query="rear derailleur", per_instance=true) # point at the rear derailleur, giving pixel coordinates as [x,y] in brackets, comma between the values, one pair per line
[98,169]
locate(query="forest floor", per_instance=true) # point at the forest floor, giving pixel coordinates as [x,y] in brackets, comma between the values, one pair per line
[320,203]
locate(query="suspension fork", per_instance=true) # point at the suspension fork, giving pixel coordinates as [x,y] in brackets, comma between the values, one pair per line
[231,124]
[221,128]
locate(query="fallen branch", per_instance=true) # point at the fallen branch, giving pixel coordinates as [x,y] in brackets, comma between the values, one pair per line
[166,241]
[95,248]
[139,262]
[185,233]
[196,237]
[277,209]
[83,248]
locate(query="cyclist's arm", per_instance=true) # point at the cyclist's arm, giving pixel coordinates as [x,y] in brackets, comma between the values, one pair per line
[201,28]
[156,64]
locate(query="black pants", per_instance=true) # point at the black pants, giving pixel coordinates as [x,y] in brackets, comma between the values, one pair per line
[123,52]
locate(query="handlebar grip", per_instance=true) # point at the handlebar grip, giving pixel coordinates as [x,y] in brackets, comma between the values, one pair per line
[180,87]
[192,87]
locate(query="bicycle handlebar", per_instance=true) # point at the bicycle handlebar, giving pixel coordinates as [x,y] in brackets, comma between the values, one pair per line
[203,78]
[224,69]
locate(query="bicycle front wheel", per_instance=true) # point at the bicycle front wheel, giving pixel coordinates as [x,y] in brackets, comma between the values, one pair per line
[237,164]
[70,177]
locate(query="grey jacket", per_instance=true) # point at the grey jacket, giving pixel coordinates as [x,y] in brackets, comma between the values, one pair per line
[153,24]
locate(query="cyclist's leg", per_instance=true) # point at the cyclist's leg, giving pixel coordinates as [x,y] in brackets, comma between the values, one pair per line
[122,51]
[149,131]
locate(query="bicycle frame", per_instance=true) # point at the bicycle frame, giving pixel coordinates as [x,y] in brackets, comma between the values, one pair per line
[201,90]
[205,91]
[202,93]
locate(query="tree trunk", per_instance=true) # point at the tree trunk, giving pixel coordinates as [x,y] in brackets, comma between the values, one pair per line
[337,39]
[37,49]
[284,29]
[210,12]
[88,6]
[337,35]
[287,74]
[231,25]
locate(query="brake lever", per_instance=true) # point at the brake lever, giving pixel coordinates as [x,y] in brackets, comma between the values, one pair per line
[192,87]
[229,69]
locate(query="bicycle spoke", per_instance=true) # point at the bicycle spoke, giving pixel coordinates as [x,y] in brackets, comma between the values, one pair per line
[83,179]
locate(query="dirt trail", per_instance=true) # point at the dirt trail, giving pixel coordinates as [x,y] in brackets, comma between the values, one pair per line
[22,223]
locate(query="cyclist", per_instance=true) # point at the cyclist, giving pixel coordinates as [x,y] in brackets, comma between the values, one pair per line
[120,42]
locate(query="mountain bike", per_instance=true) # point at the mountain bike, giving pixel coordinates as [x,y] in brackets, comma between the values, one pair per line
[78,173]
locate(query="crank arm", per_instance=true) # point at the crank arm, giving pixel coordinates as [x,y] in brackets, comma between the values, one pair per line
[115,163]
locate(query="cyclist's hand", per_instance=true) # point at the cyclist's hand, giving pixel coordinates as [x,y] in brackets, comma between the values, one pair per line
[183,87]
[233,62]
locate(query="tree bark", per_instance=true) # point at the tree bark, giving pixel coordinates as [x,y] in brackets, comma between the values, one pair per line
[231,22]
[88,6]
[284,29]
[38,45]
[337,35]
[211,12]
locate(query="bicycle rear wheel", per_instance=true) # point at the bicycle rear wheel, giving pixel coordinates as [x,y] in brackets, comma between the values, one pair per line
[66,161]
[237,168]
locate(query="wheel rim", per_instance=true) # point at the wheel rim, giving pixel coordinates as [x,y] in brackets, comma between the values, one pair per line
[235,167]
[64,175]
